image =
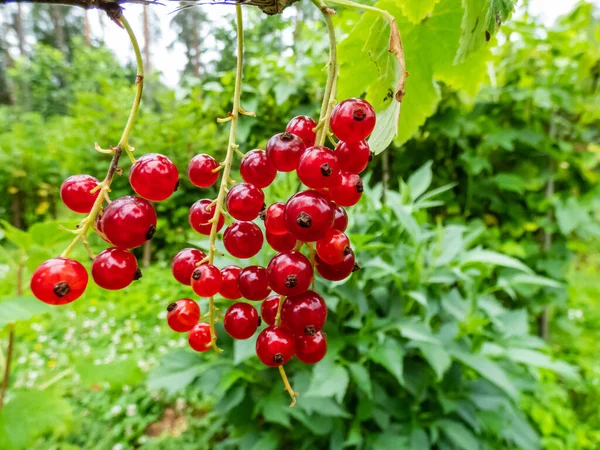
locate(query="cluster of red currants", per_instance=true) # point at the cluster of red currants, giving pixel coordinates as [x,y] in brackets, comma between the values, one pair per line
[125,223]
[296,316]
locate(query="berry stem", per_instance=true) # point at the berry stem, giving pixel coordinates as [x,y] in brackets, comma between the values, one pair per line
[311,250]
[123,144]
[232,148]
[288,387]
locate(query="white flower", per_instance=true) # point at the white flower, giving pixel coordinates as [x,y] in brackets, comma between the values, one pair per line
[116,410]
[126,388]
[92,309]
[162,349]
[172,343]
[180,404]
[71,315]
[162,315]
[131,410]
[157,329]
[118,447]
[575,314]
[42,338]
[22,360]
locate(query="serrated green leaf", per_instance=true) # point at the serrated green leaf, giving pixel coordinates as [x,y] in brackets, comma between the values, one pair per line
[538,359]
[361,377]
[176,370]
[116,374]
[460,435]
[328,380]
[420,180]
[490,257]
[386,128]
[390,354]
[417,10]
[21,308]
[437,357]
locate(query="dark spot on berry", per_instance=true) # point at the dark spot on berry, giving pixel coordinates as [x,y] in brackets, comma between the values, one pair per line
[287,136]
[291,281]
[138,274]
[262,215]
[304,220]
[171,306]
[278,358]
[61,288]
[371,156]
[196,274]
[259,321]
[151,232]
[359,114]
[326,170]
[359,186]
[176,186]
[356,267]
[347,250]
[310,330]
[264,208]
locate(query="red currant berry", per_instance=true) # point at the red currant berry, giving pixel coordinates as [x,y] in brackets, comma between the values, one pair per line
[304,314]
[201,213]
[318,168]
[199,337]
[241,320]
[183,315]
[154,177]
[284,151]
[229,281]
[253,283]
[308,215]
[202,170]
[353,157]
[128,222]
[349,191]
[59,281]
[340,217]
[184,263]
[281,242]
[245,201]
[352,120]
[256,169]
[115,268]
[311,349]
[275,346]
[243,239]
[268,309]
[75,193]
[337,272]
[303,126]
[206,280]
[290,273]
[332,249]
[274,221]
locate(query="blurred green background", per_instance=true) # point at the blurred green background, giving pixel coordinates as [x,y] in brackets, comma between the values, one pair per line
[475,321]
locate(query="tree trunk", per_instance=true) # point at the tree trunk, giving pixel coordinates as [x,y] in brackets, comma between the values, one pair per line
[58,27]
[87,32]
[17,210]
[147,61]
[20,29]
[196,58]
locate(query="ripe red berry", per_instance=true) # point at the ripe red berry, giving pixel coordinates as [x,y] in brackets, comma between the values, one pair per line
[59,281]
[199,337]
[337,272]
[154,177]
[253,283]
[280,242]
[290,273]
[184,263]
[256,169]
[275,346]
[183,315]
[303,126]
[274,221]
[75,193]
[308,215]
[311,349]
[229,280]
[340,217]
[128,222]
[241,320]
[268,309]
[243,239]
[284,151]
[202,170]
[200,213]
[304,314]
[318,168]
[206,280]
[352,120]
[353,157]
[245,201]
[333,248]
[115,268]
[349,190]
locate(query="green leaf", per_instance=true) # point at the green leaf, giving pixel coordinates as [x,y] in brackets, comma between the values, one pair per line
[417,10]
[416,331]
[328,380]
[437,357]
[244,349]
[419,439]
[20,238]
[386,128]
[407,221]
[458,434]
[361,378]
[538,359]
[176,370]
[455,305]
[535,280]
[492,258]
[390,354]
[324,406]
[116,373]
[21,308]
[420,180]
[570,215]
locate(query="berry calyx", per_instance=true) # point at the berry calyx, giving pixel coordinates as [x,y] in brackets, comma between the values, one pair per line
[303,126]
[183,315]
[353,157]
[304,314]
[184,263]
[318,168]
[202,170]
[284,151]
[256,169]
[308,215]
[352,120]
[200,215]
[115,268]
[275,346]
[128,222]
[199,337]
[206,280]
[332,248]
[243,239]
[268,309]
[349,190]
[340,217]
[229,281]
[274,219]
[290,273]
[154,177]
[311,349]
[280,242]
[59,281]
[253,283]
[245,201]
[241,320]
[337,272]
[75,193]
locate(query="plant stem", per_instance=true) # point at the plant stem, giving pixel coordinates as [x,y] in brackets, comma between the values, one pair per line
[85,224]
[288,386]
[232,147]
